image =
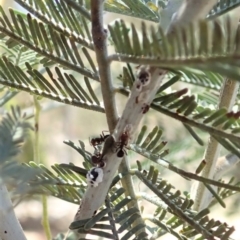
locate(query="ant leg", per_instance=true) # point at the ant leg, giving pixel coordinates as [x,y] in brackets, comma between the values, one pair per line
[105,136]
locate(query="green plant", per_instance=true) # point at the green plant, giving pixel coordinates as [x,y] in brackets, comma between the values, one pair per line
[47,52]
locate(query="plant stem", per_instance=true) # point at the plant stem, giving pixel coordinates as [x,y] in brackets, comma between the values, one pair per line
[100,43]
[139,98]
[127,184]
[10,229]
[45,220]
[227,99]
[99,35]
[36,128]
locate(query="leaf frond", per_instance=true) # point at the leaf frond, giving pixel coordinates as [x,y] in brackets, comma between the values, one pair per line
[13,130]
[151,144]
[64,89]
[205,45]
[204,79]
[68,183]
[225,193]
[137,9]
[74,23]
[63,183]
[115,211]
[222,7]
[46,42]
[191,111]
[210,121]
[198,223]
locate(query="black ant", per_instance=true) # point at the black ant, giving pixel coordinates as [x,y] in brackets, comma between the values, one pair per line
[97,159]
[123,142]
[98,140]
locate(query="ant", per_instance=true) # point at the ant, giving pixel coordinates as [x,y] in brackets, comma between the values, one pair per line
[123,142]
[145,108]
[97,159]
[98,140]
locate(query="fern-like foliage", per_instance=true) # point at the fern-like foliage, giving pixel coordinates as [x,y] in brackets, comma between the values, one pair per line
[181,209]
[138,9]
[14,128]
[222,7]
[53,46]
[192,112]
[45,43]
[206,80]
[48,52]
[117,221]
[152,144]
[65,88]
[211,49]
[74,21]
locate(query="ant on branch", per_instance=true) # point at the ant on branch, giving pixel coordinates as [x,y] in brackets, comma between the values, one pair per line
[99,140]
[123,142]
[97,158]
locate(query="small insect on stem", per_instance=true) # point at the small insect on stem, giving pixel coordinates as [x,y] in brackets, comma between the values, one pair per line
[123,141]
[98,158]
[145,108]
[99,140]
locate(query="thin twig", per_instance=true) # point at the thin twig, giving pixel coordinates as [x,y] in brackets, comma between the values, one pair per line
[99,35]
[10,229]
[227,99]
[97,195]
[139,100]
[173,62]
[45,219]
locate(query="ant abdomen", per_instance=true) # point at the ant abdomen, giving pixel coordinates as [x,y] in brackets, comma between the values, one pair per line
[120,153]
[122,144]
